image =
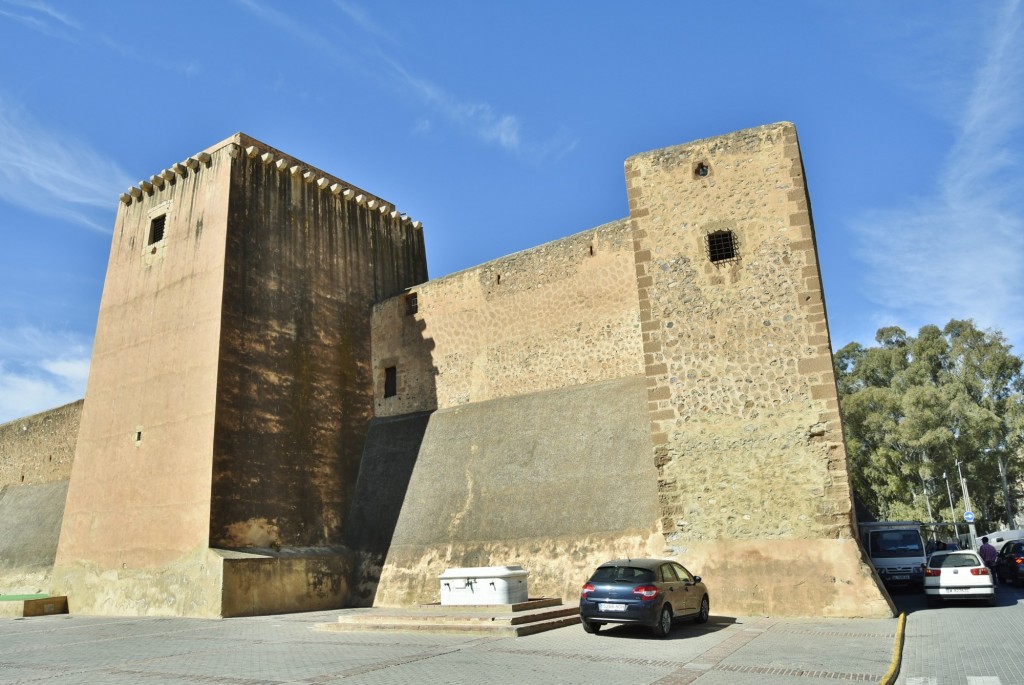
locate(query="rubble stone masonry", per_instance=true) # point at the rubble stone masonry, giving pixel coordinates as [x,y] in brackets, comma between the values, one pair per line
[741,395]
[558,315]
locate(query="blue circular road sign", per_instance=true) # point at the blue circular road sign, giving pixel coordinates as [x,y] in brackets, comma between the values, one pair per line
[969,516]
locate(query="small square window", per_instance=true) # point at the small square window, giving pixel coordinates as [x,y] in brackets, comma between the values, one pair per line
[156,229]
[722,247]
[412,304]
[390,381]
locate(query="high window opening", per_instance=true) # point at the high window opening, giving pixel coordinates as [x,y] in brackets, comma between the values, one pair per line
[156,229]
[722,247]
[412,304]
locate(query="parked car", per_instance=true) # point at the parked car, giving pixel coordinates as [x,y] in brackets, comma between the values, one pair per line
[647,592]
[958,575]
[1010,562]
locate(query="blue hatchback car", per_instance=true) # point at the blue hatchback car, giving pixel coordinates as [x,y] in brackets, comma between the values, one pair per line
[648,592]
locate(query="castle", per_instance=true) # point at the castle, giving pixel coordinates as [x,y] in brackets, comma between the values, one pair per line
[284,414]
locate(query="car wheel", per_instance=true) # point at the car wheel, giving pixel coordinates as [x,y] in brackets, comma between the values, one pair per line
[705,608]
[664,626]
[591,628]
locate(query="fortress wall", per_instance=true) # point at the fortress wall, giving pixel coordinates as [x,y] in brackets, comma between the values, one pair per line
[139,498]
[555,481]
[742,399]
[304,267]
[36,453]
[39,448]
[555,316]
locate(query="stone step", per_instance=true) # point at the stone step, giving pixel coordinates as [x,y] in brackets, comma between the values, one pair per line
[507,620]
[534,603]
[399,616]
[497,629]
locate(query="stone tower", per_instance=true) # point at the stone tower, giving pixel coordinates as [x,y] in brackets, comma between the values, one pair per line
[230,388]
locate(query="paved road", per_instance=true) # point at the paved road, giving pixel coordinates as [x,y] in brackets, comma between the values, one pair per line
[952,645]
[283,650]
[964,643]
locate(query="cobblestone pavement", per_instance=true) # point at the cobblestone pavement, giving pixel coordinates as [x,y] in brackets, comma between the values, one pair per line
[964,643]
[278,650]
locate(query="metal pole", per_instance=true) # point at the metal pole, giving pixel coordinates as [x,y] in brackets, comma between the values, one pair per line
[952,514]
[967,503]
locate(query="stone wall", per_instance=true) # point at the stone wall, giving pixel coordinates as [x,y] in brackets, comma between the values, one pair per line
[554,316]
[742,400]
[556,481]
[304,266]
[39,448]
[36,454]
[139,498]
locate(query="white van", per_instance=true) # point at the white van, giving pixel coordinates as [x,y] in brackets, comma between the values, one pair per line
[997,538]
[896,550]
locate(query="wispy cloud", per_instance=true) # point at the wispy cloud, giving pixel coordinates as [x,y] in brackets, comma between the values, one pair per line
[479,119]
[55,175]
[41,17]
[41,370]
[959,252]
[489,125]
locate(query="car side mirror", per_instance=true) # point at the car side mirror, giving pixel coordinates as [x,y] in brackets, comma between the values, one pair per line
[696,579]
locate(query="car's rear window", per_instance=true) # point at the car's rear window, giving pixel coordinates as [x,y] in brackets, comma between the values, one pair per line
[1017,548]
[954,561]
[625,574]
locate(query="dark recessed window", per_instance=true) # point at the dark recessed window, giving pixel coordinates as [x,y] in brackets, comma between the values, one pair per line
[701,169]
[156,229]
[390,381]
[722,246]
[412,304]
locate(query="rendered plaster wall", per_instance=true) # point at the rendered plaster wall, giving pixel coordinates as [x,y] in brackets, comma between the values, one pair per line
[136,523]
[259,584]
[742,401]
[555,481]
[555,316]
[304,267]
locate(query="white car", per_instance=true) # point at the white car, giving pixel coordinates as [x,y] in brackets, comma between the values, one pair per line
[958,575]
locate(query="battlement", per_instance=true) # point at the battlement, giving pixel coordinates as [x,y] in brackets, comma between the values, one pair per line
[241,144]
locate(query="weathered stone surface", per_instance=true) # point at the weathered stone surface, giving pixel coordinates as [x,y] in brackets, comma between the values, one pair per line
[554,481]
[39,448]
[230,390]
[616,392]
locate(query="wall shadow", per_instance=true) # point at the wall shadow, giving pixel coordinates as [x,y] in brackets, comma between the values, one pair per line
[390,451]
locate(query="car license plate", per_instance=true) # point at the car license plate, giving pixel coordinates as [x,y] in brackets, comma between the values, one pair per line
[900,577]
[611,607]
[956,589]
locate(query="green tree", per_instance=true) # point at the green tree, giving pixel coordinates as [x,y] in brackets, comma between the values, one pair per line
[915,406]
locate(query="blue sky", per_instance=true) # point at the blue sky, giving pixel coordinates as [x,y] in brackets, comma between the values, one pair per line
[501,126]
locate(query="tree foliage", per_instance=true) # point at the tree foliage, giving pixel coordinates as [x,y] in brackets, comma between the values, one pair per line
[914,406]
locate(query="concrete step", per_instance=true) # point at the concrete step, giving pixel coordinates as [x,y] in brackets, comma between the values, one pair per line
[500,620]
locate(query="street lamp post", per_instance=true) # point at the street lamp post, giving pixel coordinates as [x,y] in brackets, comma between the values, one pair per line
[967,505]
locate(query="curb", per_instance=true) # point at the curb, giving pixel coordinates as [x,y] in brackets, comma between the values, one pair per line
[897,654]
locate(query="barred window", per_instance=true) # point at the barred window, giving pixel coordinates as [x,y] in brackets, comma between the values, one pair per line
[722,247]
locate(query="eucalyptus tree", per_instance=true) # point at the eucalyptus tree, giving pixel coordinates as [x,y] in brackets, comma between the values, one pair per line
[916,408]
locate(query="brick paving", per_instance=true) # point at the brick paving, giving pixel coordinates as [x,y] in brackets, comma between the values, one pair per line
[964,643]
[285,650]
